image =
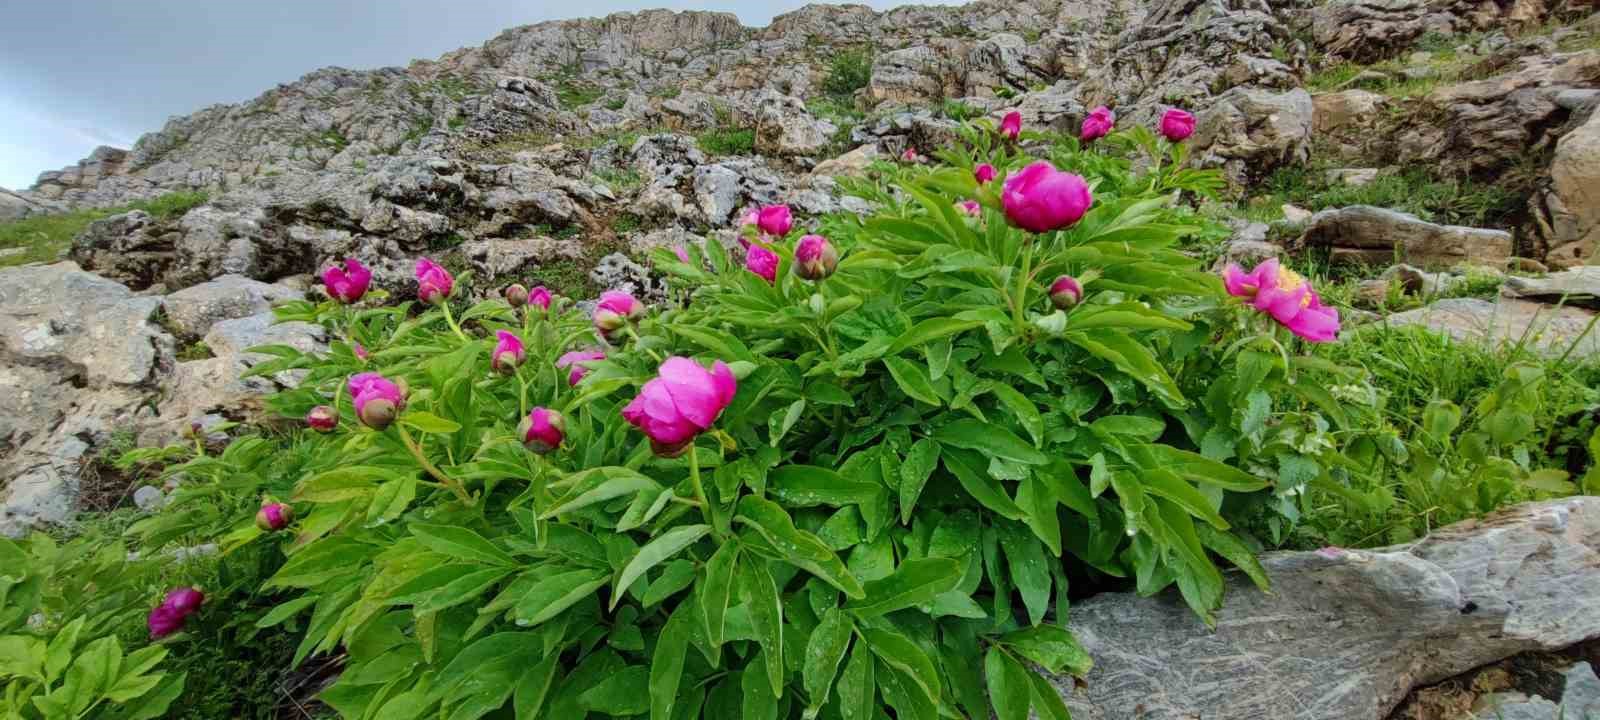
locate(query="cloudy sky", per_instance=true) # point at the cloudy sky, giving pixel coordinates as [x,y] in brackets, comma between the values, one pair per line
[75,74]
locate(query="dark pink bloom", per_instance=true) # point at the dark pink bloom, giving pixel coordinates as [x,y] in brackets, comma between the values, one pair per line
[433,282]
[910,155]
[539,297]
[361,352]
[1066,292]
[1098,124]
[543,430]
[185,600]
[1287,297]
[1041,198]
[322,418]
[682,253]
[1177,125]
[680,403]
[775,220]
[164,621]
[508,352]
[970,208]
[346,284]
[377,400]
[815,258]
[615,310]
[1011,125]
[762,261]
[274,516]
[984,173]
[577,360]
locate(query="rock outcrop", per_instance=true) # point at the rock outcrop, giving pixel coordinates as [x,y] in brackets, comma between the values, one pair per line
[1365,234]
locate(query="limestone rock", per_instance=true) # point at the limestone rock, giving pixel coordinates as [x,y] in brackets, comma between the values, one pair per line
[1573,201]
[1345,110]
[1249,132]
[785,128]
[193,310]
[850,164]
[1547,331]
[1362,233]
[1579,286]
[1579,698]
[1345,634]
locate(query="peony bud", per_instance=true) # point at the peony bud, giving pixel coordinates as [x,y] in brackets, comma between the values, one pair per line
[539,297]
[433,282]
[1098,123]
[984,173]
[1177,125]
[815,258]
[185,600]
[762,261]
[508,352]
[169,616]
[361,352]
[1011,125]
[542,430]
[346,284]
[775,220]
[322,418]
[516,295]
[681,252]
[910,156]
[1040,198]
[377,400]
[615,310]
[1065,292]
[274,516]
[970,208]
[576,361]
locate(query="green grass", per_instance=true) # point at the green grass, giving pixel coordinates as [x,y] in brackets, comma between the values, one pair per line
[45,237]
[848,71]
[1414,190]
[727,141]
[621,180]
[959,111]
[573,93]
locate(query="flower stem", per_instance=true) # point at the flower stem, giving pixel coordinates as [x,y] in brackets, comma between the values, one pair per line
[522,395]
[416,452]
[1019,307]
[452,321]
[694,479]
[635,335]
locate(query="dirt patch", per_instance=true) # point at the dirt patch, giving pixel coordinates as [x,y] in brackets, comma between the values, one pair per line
[1534,673]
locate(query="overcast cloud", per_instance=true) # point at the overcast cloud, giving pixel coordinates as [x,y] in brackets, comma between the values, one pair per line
[75,74]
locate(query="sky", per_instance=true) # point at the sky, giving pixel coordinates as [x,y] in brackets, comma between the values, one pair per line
[75,74]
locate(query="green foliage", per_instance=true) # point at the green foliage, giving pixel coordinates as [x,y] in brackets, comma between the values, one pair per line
[44,237]
[575,93]
[724,140]
[848,71]
[1415,190]
[959,111]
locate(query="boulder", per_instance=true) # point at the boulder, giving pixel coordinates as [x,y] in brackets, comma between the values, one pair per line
[1579,698]
[920,73]
[1345,110]
[1579,286]
[1573,200]
[1550,332]
[784,128]
[1249,132]
[1345,634]
[1372,235]
[850,164]
[193,310]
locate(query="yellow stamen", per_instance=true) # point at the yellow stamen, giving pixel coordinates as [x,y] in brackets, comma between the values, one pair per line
[1289,281]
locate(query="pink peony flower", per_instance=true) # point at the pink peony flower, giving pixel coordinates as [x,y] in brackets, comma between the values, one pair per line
[615,310]
[274,516]
[508,352]
[377,400]
[185,600]
[540,297]
[322,418]
[910,155]
[346,284]
[576,360]
[164,621]
[543,430]
[762,261]
[1287,297]
[680,403]
[516,295]
[1011,125]
[433,282]
[815,258]
[1177,125]
[1097,124]
[1041,198]
[970,208]
[775,220]
[984,173]
[1066,292]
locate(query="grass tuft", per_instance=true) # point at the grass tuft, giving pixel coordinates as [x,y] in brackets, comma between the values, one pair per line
[44,238]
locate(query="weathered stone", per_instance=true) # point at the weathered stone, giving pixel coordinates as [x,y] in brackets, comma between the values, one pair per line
[1578,286]
[193,310]
[1345,634]
[1352,176]
[1573,202]
[785,128]
[1548,331]
[1249,132]
[1345,110]
[850,164]
[507,260]
[1366,234]
[1579,698]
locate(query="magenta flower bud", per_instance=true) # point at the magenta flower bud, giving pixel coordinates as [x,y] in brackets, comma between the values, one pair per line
[508,352]
[1177,125]
[346,284]
[184,600]
[1066,292]
[762,261]
[910,155]
[274,516]
[970,208]
[984,173]
[1041,198]
[516,295]
[540,297]
[815,258]
[542,430]
[323,418]
[680,403]
[1098,124]
[164,621]
[577,360]
[615,310]
[377,400]
[1011,125]
[361,352]
[433,282]
[682,253]
[775,220]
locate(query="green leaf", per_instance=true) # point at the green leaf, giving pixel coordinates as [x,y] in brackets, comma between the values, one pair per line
[429,423]
[1046,699]
[653,553]
[824,651]
[801,548]
[913,380]
[340,484]
[618,693]
[287,610]
[931,329]
[1554,481]
[766,617]
[557,593]
[534,686]
[989,439]
[1127,355]
[756,703]
[915,582]
[1236,552]
[676,576]
[1052,647]
[1132,316]
[964,465]
[723,345]
[1024,410]
[1029,572]
[459,542]
[809,486]
[857,687]
[619,482]
[1167,484]
[717,589]
[1009,688]
[1202,469]
[666,664]
[899,652]
[919,465]
[779,425]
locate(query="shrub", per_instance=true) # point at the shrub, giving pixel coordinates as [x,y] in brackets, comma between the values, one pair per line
[727,141]
[848,71]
